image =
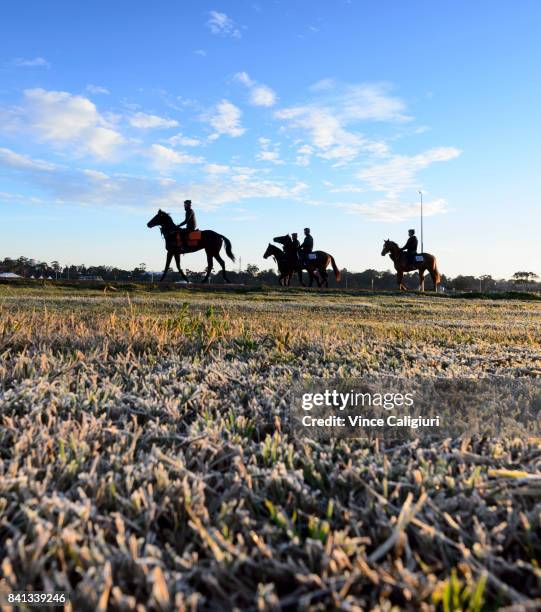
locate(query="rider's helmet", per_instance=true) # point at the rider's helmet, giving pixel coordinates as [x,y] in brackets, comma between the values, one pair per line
[306,230]
[187,203]
[411,232]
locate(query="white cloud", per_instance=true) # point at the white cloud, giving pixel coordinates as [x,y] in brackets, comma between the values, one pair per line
[217,169]
[96,175]
[271,156]
[216,193]
[201,52]
[220,23]
[304,155]
[30,63]
[325,130]
[244,78]
[348,189]
[399,172]
[323,85]
[61,185]
[164,158]
[66,120]
[269,151]
[225,119]
[97,89]
[184,141]
[16,160]
[393,210]
[103,142]
[328,121]
[260,95]
[145,121]
[372,102]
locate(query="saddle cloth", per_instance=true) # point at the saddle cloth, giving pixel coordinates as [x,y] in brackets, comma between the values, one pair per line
[193,238]
[419,258]
[312,256]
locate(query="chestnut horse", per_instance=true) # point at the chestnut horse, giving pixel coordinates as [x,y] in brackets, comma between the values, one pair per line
[401,265]
[210,241]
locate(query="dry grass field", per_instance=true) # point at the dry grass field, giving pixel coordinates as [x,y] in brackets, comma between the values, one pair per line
[144,462]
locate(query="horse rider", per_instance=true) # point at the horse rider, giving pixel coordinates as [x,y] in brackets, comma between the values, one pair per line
[189,220]
[295,247]
[307,246]
[410,247]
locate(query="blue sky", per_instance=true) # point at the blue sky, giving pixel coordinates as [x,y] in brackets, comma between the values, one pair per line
[272,116]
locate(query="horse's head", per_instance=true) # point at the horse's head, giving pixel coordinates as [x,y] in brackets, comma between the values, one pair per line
[268,252]
[285,240]
[386,246]
[158,219]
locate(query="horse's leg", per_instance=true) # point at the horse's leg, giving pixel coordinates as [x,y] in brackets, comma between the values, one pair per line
[434,278]
[325,278]
[421,279]
[299,272]
[222,263]
[399,277]
[209,268]
[167,264]
[180,270]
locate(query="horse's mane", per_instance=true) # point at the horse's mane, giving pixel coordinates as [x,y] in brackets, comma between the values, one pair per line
[169,218]
[392,242]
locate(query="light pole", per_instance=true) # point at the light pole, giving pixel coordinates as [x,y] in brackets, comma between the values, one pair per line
[421,194]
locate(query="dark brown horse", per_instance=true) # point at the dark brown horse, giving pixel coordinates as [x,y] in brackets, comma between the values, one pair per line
[285,269]
[210,241]
[425,263]
[315,266]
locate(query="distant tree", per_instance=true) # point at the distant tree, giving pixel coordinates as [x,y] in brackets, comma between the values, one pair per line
[252,270]
[521,278]
[465,283]
[486,282]
[55,265]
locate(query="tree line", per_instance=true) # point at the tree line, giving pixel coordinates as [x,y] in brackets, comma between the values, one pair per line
[252,275]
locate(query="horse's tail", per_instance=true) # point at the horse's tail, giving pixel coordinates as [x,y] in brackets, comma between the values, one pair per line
[228,247]
[335,269]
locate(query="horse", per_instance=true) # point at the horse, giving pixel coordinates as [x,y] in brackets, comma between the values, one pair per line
[401,264]
[318,265]
[210,241]
[284,268]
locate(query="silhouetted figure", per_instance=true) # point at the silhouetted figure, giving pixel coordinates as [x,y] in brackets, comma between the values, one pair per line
[307,245]
[411,246]
[189,220]
[208,240]
[296,248]
[288,260]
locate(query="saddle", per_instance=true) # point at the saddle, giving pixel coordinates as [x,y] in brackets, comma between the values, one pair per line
[192,240]
[414,258]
